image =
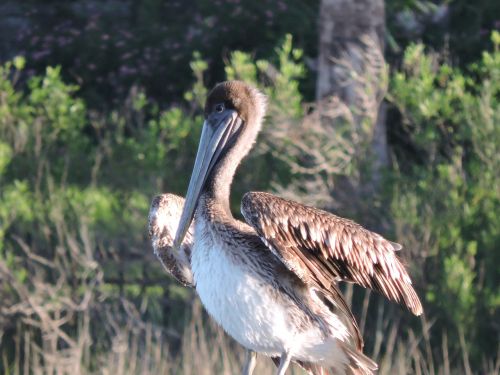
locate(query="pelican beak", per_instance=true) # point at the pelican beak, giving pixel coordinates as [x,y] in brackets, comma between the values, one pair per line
[216,132]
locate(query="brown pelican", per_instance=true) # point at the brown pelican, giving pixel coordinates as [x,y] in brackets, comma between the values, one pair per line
[164,216]
[271,282]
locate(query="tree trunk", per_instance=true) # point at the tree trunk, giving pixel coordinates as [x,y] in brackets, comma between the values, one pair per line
[352,69]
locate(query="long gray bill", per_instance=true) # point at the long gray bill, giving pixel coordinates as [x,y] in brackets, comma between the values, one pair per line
[214,137]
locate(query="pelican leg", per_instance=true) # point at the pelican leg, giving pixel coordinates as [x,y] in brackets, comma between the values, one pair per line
[250,362]
[284,363]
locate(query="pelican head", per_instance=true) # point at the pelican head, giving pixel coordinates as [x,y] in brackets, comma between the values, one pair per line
[233,117]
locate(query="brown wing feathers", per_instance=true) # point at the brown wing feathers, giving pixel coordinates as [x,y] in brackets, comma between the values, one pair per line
[319,246]
[164,216]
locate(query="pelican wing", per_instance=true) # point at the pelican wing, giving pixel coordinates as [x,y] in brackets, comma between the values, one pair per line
[164,216]
[323,248]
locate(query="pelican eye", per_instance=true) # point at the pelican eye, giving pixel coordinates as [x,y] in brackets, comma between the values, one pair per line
[219,108]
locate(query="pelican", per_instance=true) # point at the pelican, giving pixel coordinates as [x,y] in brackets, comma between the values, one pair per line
[164,215]
[271,282]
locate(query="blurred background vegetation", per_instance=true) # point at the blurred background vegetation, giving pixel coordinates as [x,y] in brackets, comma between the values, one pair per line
[100,110]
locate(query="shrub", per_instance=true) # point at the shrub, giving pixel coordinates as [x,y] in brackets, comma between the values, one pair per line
[446,192]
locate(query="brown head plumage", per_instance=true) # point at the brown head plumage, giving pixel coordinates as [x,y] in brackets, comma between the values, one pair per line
[243,98]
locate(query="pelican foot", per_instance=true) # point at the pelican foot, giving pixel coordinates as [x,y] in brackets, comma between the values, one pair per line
[250,362]
[284,363]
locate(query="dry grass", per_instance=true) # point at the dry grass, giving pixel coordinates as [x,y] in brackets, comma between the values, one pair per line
[136,347]
[90,333]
